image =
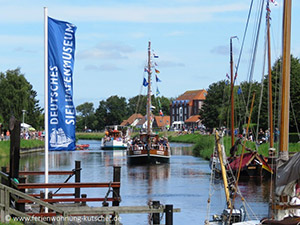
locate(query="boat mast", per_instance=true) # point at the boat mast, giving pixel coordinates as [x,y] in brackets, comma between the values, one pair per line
[232,97]
[270,81]
[285,92]
[223,170]
[149,90]
[149,97]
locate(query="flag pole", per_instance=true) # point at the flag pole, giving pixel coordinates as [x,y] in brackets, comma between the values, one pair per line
[46,97]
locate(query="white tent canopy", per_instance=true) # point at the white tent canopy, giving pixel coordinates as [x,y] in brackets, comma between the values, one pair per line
[25,125]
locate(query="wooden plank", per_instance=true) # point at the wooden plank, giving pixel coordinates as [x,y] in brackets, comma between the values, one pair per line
[24,215]
[67,185]
[43,214]
[25,196]
[23,173]
[4,175]
[115,209]
[54,195]
[72,200]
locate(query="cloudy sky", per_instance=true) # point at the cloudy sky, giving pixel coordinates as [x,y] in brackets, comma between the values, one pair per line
[191,38]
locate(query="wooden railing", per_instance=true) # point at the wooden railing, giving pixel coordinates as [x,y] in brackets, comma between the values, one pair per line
[114,187]
[10,191]
[63,215]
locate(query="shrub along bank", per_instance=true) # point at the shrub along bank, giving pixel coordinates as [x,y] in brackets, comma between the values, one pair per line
[89,136]
[204,145]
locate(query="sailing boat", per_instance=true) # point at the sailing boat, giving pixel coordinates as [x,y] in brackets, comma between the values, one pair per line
[149,148]
[230,215]
[250,164]
[287,174]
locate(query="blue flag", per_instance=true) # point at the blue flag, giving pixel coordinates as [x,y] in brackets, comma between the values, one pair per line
[145,83]
[157,79]
[62,115]
[157,92]
[239,91]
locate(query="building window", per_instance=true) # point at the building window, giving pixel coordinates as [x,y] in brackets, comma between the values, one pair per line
[180,114]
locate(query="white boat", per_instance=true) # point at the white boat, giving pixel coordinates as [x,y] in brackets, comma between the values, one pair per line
[116,138]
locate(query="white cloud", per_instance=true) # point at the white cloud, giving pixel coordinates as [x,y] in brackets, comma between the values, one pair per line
[20,39]
[103,67]
[175,33]
[118,13]
[171,64]
[106,50]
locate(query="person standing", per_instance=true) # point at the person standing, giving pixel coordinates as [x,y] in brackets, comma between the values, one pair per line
[7,135]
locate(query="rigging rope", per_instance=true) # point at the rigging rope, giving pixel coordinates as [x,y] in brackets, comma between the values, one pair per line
[262,88]
[255,49]
[295,118]
[244,37]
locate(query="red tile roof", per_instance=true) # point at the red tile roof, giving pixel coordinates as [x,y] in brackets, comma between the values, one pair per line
[131,119]
[193,95]
[193,119]
[162,121]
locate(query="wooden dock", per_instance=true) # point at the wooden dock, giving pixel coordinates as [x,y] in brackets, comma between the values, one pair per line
[70,208]
[64,208]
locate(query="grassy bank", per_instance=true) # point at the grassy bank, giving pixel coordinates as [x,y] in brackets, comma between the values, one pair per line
[89,136]
[25,144]
[204,145]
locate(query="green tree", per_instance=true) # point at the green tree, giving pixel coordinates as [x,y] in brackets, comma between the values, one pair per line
[294,92]
[86,117]
[215,107]
[243,98]
[137,104]
[111,112]
[163,104]
[16,94]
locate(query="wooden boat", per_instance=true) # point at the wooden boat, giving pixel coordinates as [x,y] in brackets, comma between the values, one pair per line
[283,210]
[158,152]
[148,148]
[251,164]
[115,138]
[230,214]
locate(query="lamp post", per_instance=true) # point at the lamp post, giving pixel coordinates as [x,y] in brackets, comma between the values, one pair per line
[23,111]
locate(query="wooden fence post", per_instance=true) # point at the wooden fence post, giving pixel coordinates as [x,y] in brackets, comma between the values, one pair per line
[116,178]
[50,196]
[42,196]
[169,214]
[3,180]
[15,129]
[6,202]
[21,206]
[77,177]
[156,216]
[83,196]
[2,202]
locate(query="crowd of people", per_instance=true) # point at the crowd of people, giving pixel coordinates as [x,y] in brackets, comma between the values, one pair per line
[262,136]
[5,137]
[25,134]
[157,143]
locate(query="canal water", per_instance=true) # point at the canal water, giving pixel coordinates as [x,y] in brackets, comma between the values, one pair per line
[184,182]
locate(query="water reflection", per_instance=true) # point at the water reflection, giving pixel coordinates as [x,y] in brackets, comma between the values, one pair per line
[152,174]
[184,182]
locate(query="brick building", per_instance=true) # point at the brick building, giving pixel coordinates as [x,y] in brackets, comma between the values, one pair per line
[184,110]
